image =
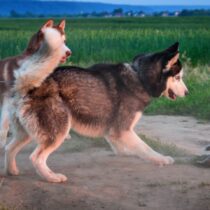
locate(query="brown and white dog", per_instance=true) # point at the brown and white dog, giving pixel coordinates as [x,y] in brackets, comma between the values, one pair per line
[104,100]
[54,36]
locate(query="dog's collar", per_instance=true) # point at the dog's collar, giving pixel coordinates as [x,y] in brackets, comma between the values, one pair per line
[133,67]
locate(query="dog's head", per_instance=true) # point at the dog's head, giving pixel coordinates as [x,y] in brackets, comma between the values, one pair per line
[51,35]
[161,73]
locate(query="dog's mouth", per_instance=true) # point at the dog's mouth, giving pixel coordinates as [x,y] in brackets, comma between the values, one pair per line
[63,59]
[171,94]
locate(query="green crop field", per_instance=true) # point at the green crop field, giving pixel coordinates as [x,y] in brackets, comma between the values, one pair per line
[120,39]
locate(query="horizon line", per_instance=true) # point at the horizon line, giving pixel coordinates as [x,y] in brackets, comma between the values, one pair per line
[109,3]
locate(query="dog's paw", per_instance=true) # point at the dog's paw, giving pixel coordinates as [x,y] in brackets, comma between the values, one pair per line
[62,177]
[56,178]
[12,171]
[168,160]
[10,165]
[163,160]
[68,137]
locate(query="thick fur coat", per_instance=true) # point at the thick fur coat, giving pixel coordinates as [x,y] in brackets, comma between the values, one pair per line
[103,100]
[39,58]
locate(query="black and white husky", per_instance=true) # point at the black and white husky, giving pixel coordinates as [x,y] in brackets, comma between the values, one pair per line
[104,100]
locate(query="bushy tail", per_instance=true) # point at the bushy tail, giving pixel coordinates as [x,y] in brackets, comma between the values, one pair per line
[33,71]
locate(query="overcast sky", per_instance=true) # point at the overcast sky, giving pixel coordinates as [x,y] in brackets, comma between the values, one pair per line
[152,2]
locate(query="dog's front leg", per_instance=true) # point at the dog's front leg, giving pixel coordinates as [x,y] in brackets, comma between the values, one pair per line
[129,143]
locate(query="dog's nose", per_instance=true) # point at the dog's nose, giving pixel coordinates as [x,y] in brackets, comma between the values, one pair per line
[68,53]
[186,92]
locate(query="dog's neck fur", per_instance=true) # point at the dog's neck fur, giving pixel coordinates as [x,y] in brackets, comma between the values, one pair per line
[35,69]
[136,68]
[153,89]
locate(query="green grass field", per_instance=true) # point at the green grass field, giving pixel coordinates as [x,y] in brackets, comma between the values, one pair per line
[120,39]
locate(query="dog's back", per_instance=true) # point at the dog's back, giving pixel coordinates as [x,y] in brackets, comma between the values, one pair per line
[97,98]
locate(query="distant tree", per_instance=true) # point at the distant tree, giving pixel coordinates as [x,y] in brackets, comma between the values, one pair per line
[200,12]
[13,13]
[29,14]
[94,14]
[118,11]
[85,14]
[103,14]
[129,13]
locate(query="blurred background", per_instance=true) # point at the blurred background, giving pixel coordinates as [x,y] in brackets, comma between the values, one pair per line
[116,31]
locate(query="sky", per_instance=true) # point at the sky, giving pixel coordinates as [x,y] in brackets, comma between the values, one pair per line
[151,2]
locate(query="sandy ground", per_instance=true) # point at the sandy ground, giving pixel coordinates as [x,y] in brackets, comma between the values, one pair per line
[100,180]
[185,132]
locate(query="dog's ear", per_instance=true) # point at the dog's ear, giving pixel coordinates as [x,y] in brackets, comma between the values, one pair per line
[171,56]
[172,61]
[62,25]
[48,24]
[173,48]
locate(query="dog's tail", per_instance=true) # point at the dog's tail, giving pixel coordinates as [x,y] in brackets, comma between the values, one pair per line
[33,71]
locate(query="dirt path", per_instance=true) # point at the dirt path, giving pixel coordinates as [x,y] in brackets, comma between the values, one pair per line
[185,132]
[99,180]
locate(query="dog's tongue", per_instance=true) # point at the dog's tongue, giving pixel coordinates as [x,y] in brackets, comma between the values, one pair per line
[171,94]
[174,97]
[63,59]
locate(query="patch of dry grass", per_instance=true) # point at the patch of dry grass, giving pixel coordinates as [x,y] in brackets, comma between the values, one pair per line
[166,149]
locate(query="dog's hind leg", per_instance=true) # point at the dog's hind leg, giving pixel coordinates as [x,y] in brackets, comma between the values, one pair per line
[4,122]
[20,139]
[49,137]
[48,121]
[40,155]
[128,142]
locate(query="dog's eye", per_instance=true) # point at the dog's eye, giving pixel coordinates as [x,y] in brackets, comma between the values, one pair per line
[178,78]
